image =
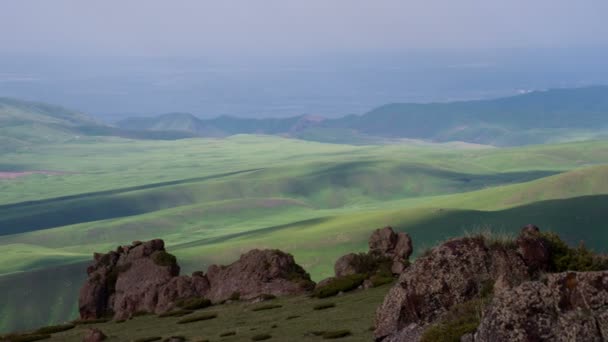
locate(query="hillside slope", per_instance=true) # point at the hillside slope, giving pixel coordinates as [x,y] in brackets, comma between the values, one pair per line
[534,118]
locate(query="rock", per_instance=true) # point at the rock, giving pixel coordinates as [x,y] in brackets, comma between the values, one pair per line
[93,335]
[347,264]
[452,273]
[325,282]
[568,306]
[534,249]
[395,246]
[258,272]
[143,277]
[179,288]
[367,284]
[127,281]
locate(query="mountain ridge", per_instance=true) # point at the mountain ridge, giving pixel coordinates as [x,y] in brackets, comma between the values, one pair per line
[534,117]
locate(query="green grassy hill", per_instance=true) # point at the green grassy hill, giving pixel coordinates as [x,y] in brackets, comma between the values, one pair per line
[213,199]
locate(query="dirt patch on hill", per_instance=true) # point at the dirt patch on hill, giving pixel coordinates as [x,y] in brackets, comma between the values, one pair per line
[13,175]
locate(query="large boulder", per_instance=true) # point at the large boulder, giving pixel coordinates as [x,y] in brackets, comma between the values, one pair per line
[127,280]
[143,277]
[258,272]
[450,274]
[568,306]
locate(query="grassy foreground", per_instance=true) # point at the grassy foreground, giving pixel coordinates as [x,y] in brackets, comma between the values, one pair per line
[282,319]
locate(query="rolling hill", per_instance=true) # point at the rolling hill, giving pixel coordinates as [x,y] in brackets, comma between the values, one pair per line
[212,199]
[534,118]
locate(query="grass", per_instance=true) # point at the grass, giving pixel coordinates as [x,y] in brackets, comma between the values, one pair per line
[266,307]
[353,312]
[324,306]
[218,198]
[54,329]
[193,303]
[197,318]
[331,335]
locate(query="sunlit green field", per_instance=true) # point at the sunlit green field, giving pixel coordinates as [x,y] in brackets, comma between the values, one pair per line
[213,199]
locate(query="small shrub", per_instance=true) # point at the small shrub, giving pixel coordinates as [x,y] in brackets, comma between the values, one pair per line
[266,296]
[379,280]
[141,313]
[492,238]
[565,258]
[324,306]
[261,337]
[330,335]
[236,295]
[267,307]
[228,333]
[120,321]
[175,313]
[197,318]
[148,339]
[24,337]
[340,284]
[90,321]
[162,258]
[460,320]
[318,333]
[274,326]
[292,317]
[194,303]
[54,329]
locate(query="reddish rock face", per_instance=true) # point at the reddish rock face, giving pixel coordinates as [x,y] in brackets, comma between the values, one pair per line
[143,277]
[93,335]
[568,306]
[258,272]
[126,281]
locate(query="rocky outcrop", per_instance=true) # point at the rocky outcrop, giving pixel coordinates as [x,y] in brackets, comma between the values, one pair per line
[143,277]
[450,274]
[258,272]
[505,282]
[395,246]
[127,280]
[533,249]
[387,249]
[569,306]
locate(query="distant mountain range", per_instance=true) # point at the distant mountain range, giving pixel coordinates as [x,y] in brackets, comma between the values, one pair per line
[532,118]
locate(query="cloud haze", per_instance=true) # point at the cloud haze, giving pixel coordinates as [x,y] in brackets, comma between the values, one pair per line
[284,27]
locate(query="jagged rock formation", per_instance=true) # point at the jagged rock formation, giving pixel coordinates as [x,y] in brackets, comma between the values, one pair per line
[126,280]
[501,276]
[395,246]
[143,277]
[385,246]
[568,306]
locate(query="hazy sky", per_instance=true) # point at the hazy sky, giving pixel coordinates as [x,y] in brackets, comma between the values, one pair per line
[284,27]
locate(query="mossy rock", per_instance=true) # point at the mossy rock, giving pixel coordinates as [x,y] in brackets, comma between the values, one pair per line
[162,258]
[340,284]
